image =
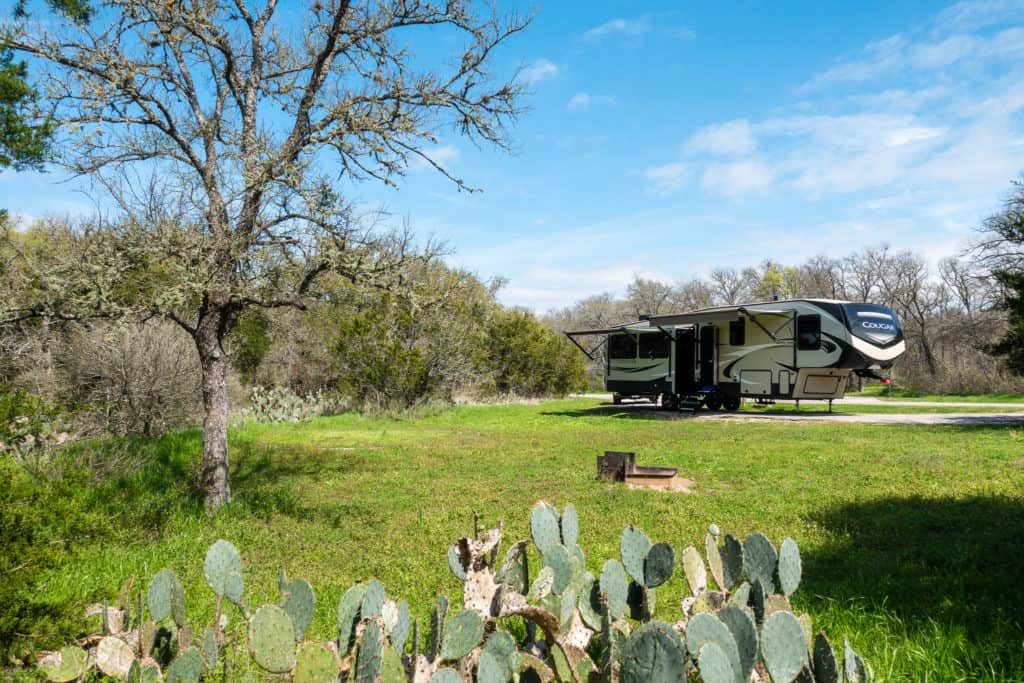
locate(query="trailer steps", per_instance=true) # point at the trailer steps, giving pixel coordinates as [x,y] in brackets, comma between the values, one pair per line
[690,404]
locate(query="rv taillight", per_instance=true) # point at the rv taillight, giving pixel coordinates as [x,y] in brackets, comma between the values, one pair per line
[886,381]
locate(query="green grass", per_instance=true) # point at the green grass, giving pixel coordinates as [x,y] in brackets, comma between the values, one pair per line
[880,392]
[912,537]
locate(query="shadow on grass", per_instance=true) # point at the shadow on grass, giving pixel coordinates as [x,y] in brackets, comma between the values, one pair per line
[629,411]
[955,563]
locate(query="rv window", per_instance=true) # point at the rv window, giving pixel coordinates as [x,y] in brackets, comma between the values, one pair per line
[654,346]
[622,346]
[808,332]
[737,332]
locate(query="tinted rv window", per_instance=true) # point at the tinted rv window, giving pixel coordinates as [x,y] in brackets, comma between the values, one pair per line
[738,332]
[621,346]
[654,346]
[808,332]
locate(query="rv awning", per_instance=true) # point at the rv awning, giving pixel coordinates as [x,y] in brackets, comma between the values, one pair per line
[639,325]
[710,315]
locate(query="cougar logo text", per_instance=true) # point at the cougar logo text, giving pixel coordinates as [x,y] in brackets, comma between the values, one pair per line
[889,327]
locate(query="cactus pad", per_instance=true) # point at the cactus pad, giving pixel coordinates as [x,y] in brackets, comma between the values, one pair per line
[590,604]
[445,676]
[707,628]
[499,659]
[299,603]
[696,574]
[400,632]
[714,665]
[369,653]
[783,647]
[66,665]
[732,561]
[789,566]
[557,558]
[566,609]
[314,663]
[462,635]
[757,601]
[826,669]
[348,616]
[514,570]
[210,651]
[114,657]
[570,526]
[391,669]
[634,546]
[272,639]
[187,668]
[640,600]
[455,563]
[853,665]
[614,584]
[438,615]
[760,560]
[654,653]
[740,622]
[223,570]
[659,564]
[159,596]
[714,561]
[542,584]
[545,526]
[373,600]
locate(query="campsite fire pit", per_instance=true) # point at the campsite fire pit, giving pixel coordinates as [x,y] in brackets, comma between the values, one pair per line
[621,466]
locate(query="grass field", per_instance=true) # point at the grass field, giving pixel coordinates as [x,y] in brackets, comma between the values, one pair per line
[912,537]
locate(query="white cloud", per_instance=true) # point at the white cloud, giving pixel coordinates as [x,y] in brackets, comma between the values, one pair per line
[906,136]
[630,27]
[585,100]
[975,14]
[727,139]
[443,155]
[538,71]
[668,178]
[737,177]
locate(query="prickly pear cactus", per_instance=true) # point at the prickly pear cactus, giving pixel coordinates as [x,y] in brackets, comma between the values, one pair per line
[826,669]
[633,547]
[653,653]
[740,622]
[348,616]
[67,665]
[300,604]
[614,584]
[708,628]
[369,653]
[783,647]
[789,566]
[570,526]
[314,663]
[462,635]
[166,597]
[545,526]
[731,553]
[187,668]
[659,564]
[714,665]
[272,639]
[759,560]
[223,570]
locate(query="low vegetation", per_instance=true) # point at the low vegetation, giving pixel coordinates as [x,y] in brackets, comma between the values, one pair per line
[897,545]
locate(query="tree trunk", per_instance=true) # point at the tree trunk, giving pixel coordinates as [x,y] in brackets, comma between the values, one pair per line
[215,483]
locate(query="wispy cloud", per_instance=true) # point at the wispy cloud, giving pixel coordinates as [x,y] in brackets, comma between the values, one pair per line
[443,155]
[738,178]
[586,100]
[629,27]
[538,71]
[668,178]
[729,138]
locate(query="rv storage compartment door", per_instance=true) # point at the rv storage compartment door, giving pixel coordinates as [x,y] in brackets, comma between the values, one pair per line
[821,383]
[756,382]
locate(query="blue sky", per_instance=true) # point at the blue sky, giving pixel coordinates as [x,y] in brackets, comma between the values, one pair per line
[665,139]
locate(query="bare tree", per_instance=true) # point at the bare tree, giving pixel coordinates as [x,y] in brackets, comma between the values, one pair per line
[219,127]
[648,297]
[729,285]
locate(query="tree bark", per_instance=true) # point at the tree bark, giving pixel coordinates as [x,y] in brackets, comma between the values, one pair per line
[213,360]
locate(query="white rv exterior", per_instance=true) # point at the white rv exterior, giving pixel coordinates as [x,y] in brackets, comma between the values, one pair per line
[799,349]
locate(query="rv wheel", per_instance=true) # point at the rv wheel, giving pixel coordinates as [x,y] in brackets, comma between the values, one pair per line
[670,402]
[617,399]
[713,402]
[731,403]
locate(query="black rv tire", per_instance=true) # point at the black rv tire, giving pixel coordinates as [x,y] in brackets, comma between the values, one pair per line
[713,402]
[731,403]
[670,402]
[617,399]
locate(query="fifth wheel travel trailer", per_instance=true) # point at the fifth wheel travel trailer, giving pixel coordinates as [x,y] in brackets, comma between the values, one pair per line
[797,349]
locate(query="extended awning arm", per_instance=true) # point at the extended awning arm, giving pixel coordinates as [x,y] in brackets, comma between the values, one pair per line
[753,319]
